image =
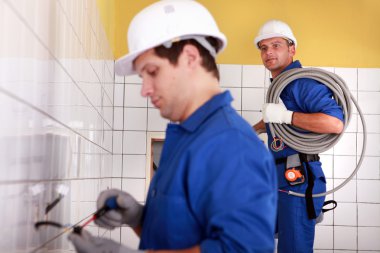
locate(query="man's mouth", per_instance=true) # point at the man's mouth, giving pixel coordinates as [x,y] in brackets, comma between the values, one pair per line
[155,102]
[270,59]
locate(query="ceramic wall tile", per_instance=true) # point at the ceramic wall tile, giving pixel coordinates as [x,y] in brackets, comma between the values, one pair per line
[230,75]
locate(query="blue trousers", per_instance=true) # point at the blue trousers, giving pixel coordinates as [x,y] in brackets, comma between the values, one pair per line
[295,230]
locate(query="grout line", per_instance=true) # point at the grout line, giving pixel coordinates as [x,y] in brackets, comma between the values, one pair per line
[34,181]
[122,142]
[356,151]
[13,96]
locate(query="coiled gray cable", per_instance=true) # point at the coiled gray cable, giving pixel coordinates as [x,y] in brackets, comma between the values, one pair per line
[314,143]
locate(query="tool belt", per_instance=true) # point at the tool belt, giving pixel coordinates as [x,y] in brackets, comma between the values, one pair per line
[308,158]
[294,174]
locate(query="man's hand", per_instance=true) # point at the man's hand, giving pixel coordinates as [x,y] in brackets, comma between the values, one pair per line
[86,243]
[276,113]
[129,211]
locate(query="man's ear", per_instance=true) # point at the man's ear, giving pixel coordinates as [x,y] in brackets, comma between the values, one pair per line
[292,50]
[191,55]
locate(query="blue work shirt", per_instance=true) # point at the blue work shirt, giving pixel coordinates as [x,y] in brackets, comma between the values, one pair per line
[215,186]
[307,96]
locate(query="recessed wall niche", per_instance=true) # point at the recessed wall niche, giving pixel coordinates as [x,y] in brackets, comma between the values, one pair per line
[155,142]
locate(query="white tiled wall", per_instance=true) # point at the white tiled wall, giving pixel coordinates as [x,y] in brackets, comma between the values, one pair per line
[354,225]
[57,109]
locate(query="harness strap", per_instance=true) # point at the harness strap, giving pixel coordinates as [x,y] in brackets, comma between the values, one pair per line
[329,202]
[309,190]
[281,160]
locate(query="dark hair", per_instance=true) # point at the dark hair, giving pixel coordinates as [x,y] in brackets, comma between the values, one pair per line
[290,42]
[172,53]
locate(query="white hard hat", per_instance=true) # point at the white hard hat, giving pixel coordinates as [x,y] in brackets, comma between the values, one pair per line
[166,21]
[275,28]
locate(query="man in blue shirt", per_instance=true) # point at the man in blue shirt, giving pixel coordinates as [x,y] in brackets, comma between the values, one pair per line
[306,104]
[215,189]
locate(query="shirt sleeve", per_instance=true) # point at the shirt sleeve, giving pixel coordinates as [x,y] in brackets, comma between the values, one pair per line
[311,96]
[234,194]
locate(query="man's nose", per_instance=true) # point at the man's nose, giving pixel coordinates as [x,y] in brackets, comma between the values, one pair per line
[147,88]
[269,51]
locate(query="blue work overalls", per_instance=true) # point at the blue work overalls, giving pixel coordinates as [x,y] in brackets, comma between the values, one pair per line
[295,230]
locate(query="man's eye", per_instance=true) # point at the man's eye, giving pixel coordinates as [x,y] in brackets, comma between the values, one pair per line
[152,72]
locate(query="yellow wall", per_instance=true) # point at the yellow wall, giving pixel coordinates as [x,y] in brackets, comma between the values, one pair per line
[110,19]
[340,33]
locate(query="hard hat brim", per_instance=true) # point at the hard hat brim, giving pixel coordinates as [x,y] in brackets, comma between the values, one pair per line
[124,65]
[271,35]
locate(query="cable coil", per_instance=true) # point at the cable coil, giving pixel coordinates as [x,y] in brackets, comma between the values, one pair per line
[315,143]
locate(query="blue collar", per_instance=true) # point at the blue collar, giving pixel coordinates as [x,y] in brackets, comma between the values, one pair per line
[293,65]
[203,112]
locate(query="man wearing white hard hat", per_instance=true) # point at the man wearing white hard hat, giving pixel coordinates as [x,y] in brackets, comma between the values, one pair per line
[308,105]
[215,189]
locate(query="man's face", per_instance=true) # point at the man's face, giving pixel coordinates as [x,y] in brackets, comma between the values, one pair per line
[165,84]
[276,54]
